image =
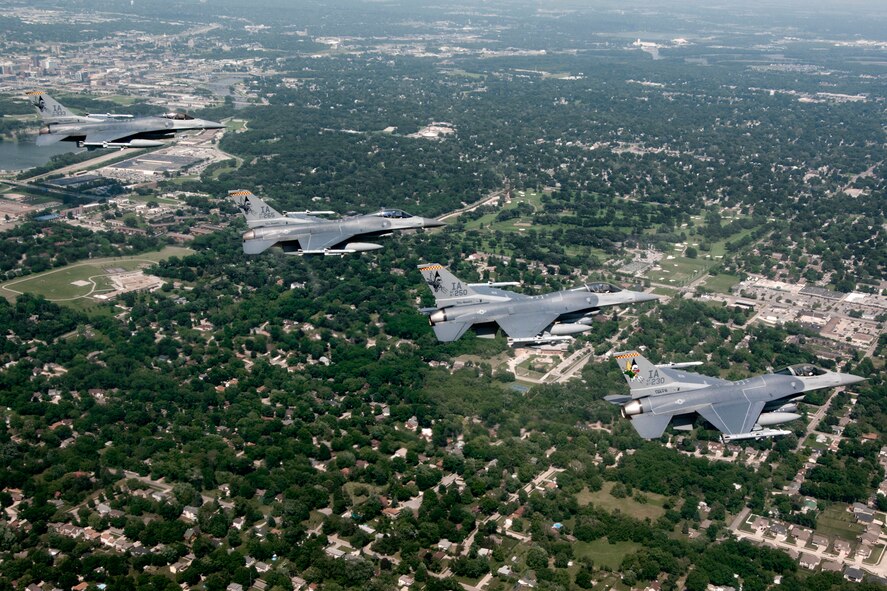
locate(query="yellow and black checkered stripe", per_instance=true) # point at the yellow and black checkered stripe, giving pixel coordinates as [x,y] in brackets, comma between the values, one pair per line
[241,193]
[431,268]
[628,355]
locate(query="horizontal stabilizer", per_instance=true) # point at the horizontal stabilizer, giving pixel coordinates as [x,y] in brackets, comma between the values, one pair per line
[650,426]
[450,331]
[47,139]
[617,399]
[257,246]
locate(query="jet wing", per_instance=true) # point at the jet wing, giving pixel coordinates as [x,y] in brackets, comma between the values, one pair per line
[321,240]
[519,326]
[100,138]
[734,417]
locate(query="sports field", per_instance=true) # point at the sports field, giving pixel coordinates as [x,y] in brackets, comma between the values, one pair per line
[80,280]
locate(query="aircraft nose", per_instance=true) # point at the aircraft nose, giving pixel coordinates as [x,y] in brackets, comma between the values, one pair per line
[432,223]
[212,124]
[848,379]
[645,297]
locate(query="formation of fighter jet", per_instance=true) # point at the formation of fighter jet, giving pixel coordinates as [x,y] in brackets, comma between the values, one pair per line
[109,130]
[303,233]
[740,410]
[527,320]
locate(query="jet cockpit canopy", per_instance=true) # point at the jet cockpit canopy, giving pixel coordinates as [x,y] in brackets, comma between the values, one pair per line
[600,287]
[179,116]
[801,370]
[394,214]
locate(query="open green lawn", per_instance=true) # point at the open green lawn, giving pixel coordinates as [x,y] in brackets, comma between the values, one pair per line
[813,444]
[679,270]
[720,248]
[57,284]
[603,499]
[837,521]
[222,170]
[235,124]
[603,553]
[462,73]
[489,220]
[664,291]
[875,557]
[721,282]
[120,99]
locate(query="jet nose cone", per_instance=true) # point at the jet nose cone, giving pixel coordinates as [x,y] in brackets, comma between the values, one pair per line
[432,223]
[848,379]
[206,124]
[645,297]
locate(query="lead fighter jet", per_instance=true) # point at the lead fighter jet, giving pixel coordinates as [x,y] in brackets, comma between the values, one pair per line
[109,130]
[302,233]
[527,320]
[740,410]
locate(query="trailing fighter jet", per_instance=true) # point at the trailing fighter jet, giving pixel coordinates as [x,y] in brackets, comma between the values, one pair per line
[109,130]
[527,320]
[303,233]
[740,410]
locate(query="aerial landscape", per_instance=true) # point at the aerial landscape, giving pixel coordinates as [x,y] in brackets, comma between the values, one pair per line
[407,295]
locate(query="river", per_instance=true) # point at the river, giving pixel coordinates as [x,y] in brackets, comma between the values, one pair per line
[23,155]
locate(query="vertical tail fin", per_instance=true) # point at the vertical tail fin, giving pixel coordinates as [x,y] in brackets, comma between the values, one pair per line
[644,378]
[48,107]
[256,211]
[446,287]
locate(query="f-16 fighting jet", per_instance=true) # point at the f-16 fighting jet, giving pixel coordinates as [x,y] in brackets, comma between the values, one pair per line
[740,410]
[303,233]
[109,130]
[527,320]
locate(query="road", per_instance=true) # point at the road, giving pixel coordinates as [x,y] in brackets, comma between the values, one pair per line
[471,207]
[101,158]
[817,417]
[568,368]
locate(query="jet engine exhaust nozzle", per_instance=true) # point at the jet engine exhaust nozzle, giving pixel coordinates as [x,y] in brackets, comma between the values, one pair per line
[439,316]
[631,409]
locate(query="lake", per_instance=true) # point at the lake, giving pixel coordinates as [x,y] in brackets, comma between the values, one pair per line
[23,155]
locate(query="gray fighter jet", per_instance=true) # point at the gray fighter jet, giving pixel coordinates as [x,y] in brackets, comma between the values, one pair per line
[527,320]
[740,410]
[303,233]
[109,130]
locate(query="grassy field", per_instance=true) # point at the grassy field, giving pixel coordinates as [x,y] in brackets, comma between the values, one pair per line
[515,224]
[875,557]
[120,99]
[219,171]
[664,291]
[836,521]
[603,553]
[57,284]
[721,282]
[603,499]
[462,73]
[679,270]
[235,124]
[813,444]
